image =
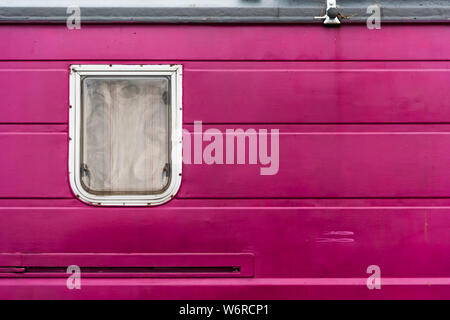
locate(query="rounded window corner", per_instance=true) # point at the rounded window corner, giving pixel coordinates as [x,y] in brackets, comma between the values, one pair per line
[126,201]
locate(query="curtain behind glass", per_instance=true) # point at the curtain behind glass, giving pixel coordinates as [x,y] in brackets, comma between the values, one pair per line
[125,135]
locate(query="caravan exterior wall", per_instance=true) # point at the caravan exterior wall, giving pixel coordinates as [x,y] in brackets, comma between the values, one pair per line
[363,175]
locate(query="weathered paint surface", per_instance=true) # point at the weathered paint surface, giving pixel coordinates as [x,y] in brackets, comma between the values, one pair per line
[364,172]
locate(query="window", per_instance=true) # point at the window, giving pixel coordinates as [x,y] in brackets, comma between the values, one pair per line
[125,133]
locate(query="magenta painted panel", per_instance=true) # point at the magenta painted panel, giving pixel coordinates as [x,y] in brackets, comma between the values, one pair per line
[34,165]
[351,189]
[224,42]
[34,95]
[291,242]
[211,289]
[324,162]
[404,162]
[231,92]
[311,92]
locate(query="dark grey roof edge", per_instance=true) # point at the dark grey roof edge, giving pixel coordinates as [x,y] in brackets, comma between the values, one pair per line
[292,12]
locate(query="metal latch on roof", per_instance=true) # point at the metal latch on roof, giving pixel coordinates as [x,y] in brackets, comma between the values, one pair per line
[332,13]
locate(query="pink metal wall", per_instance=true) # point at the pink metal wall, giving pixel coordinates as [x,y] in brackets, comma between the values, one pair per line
[364,173]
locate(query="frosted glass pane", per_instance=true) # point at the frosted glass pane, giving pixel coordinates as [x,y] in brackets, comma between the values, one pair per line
[125,135]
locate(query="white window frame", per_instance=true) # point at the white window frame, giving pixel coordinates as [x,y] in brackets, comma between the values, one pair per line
[175,74]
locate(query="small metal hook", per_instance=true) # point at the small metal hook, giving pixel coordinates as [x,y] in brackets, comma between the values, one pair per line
[166,170]
[84,172]
[332,13]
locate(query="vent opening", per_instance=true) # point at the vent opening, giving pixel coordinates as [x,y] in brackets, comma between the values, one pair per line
[136,269]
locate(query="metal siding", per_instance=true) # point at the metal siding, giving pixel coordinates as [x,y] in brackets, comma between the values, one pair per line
[375,169]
